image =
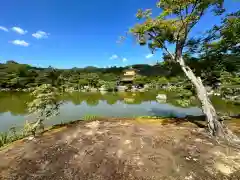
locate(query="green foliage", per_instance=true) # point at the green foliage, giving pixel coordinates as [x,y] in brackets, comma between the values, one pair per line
[141,80]
[173,24]
[90,117]
[230,92]
[10,136]
[183,102]
[4,138]
[45,100]
[93,79]
[230,33]
[175,80]
[78,78]
[219,49]
[110,86]
[129,87]
[109,77]
[169,115]
[82,83]
[182,96]
[227,78]
[230,86]
[111,98]
[162,81]
[44,105]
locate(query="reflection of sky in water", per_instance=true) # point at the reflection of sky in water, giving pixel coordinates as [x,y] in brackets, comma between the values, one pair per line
[69,112]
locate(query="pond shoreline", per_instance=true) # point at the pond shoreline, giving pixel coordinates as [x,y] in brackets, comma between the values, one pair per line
[14,109]
[11,136]
[190,121]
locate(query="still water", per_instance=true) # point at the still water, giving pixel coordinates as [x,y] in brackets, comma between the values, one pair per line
[13,107]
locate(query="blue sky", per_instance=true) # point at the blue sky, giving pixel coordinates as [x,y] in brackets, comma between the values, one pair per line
[77,33]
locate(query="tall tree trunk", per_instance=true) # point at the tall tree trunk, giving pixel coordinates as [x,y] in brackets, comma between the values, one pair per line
[214,125]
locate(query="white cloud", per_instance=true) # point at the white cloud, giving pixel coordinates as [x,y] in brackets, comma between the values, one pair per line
[40,35]
[3,28]
[149,56]
[124,59]
[114,57]
[20,43]
[19,30]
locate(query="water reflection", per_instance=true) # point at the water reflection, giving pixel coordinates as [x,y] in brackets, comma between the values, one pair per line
[13,107]
[16,103]
[92,99]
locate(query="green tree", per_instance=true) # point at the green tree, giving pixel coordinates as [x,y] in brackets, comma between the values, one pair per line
[230,86]
[52,75]
[110,86]
[228,34]
[82,83]
[92,79]
[173,26]
[44,105]
[141,80]
[109,77]
[162,81]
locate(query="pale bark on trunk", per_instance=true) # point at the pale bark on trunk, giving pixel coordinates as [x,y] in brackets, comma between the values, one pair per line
[216,128]
[37,124]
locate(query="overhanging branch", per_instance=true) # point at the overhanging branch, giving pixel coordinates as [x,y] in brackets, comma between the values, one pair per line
[163,45]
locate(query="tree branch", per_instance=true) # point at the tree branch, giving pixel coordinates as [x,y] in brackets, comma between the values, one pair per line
[180,45]
[163,45]
[194,6]
[186,10]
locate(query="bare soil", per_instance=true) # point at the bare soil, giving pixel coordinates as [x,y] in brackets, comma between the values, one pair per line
[121,149]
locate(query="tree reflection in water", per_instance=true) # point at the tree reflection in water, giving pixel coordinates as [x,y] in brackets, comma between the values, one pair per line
[16,102]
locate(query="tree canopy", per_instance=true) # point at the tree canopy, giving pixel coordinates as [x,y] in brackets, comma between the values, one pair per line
[173,26]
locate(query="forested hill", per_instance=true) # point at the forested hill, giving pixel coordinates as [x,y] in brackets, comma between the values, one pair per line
[15,75]
[143,69]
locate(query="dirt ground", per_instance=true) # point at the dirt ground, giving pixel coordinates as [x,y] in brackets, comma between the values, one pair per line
[120,149]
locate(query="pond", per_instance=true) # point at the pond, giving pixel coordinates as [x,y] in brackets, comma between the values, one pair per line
[13,107]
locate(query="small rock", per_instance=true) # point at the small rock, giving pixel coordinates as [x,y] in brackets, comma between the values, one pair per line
[195,159]
[223,168]
[119,153]
[209,143]
[93,125]
[89,133]
[127,142]
[140,163]
[188,177]
[198,140]
[201,130]
[30,138]
[161,97]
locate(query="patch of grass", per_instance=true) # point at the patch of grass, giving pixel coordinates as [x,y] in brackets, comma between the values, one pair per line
[10,136]
[4,138]
[164,120]
[152,120]
[90,117]
[183,102]
[148,117]
[13,135]
[167,116]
